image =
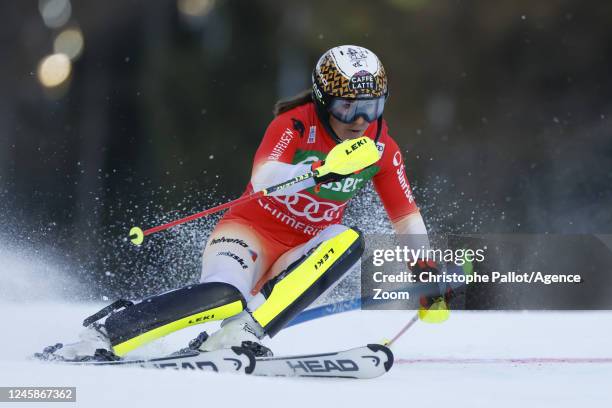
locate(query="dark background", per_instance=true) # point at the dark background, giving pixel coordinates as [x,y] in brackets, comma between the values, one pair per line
[502,109]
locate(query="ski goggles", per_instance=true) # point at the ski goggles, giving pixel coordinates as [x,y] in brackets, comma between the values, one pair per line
[348,110]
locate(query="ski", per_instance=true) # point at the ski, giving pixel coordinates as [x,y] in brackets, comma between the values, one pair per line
[234,360]
[365,362]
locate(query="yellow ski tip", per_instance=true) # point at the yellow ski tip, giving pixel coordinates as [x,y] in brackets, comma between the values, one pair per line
[136,236]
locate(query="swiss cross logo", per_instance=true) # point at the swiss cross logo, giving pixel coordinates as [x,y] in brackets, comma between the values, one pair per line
[312,134]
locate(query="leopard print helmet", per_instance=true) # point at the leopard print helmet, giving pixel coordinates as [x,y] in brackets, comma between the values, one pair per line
[348,71]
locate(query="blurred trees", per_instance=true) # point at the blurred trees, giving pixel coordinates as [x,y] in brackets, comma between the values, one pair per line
[502,108]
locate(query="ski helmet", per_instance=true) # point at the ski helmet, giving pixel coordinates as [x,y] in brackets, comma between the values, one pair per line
[348,82]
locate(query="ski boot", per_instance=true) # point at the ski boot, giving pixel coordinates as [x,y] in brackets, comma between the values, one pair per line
[240,330]
[92,346]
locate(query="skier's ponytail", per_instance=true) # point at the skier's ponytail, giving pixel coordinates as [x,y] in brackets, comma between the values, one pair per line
[287,104]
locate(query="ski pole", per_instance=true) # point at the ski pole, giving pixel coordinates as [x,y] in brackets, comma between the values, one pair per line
[137,235]
[341,160]
[408,325]
[437,313]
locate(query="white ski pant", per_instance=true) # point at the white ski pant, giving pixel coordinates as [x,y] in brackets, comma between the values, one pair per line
[236,254]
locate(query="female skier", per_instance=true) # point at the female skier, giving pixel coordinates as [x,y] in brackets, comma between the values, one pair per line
[268,259]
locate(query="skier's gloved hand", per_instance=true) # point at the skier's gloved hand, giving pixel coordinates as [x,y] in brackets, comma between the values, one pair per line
[434,301]
[345,159]
[329,176]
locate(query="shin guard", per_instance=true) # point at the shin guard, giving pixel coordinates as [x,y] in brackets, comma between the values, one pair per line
[306,279]
[163,314]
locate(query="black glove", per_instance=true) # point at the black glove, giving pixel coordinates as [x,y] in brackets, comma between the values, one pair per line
[434,292]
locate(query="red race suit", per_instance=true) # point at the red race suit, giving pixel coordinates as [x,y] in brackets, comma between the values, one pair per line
[298,138]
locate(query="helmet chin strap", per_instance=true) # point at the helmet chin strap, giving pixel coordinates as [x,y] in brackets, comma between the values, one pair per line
[323,115]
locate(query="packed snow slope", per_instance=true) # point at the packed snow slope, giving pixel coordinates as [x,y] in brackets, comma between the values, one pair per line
[493,359]
[563,360]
